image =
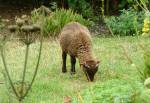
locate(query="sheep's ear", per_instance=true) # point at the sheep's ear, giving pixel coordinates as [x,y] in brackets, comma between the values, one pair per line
[98,61]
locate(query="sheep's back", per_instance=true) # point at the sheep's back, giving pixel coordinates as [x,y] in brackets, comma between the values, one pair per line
[74,37]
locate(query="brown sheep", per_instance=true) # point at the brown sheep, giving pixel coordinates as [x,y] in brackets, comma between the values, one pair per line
[75,40]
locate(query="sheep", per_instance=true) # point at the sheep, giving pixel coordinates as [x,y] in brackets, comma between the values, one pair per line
[75,40]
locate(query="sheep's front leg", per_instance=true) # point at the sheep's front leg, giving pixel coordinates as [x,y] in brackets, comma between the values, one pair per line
[64,57]
[73,62]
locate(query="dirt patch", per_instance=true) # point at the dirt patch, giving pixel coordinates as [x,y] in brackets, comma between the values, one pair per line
[9,11]
[67,99]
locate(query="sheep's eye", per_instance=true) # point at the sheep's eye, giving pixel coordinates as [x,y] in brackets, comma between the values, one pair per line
[96,69]
[87,66]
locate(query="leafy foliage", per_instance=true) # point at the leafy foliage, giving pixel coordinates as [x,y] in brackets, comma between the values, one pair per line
[81,6]
[128,23]
[57,19]
[120,92]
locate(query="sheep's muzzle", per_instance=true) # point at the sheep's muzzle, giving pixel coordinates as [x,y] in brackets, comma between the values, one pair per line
[89,73]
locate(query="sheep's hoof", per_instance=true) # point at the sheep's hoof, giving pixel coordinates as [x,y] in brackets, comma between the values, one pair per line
[72,73]
[64,71]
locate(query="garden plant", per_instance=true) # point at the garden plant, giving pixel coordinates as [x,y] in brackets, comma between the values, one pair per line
[26,32]
[31,56]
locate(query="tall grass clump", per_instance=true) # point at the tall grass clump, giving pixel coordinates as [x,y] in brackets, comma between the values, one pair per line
[144,72]
[56,20]
[147,64]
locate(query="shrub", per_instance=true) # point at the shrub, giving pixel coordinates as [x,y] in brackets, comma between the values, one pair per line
[57,19]
[82,7]
[128,23]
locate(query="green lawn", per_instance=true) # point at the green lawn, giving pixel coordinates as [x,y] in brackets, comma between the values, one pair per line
[51,86]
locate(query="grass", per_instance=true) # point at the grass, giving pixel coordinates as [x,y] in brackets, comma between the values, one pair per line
[51,86]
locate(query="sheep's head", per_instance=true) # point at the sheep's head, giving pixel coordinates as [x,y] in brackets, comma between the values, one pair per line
[90,68]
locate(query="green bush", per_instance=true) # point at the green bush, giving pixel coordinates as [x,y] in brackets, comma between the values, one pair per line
[82,7]
[56,20]
[130,22]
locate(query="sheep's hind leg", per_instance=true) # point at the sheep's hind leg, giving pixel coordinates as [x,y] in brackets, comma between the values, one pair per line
[73,62]
[64,57]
